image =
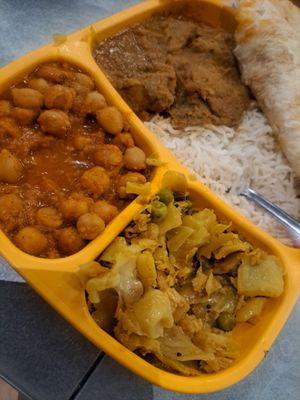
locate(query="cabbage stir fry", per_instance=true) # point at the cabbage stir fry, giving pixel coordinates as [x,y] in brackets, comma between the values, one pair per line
[175,283]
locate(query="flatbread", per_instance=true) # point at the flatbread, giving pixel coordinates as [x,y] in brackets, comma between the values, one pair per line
[290,12]
[268,51]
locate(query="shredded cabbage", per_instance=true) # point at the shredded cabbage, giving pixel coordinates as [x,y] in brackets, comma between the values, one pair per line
[176,345]
[175,288]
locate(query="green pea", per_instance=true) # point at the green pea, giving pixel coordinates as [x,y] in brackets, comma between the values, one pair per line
[158,210]
[188,205]
[166,196]
[226,321]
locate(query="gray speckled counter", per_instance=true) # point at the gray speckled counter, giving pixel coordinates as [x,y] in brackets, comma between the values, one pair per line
[28,24]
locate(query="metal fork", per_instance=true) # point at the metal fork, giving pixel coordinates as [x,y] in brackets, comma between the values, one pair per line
[292,225]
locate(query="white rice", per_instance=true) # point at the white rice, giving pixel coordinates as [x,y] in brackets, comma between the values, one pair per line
[225,158]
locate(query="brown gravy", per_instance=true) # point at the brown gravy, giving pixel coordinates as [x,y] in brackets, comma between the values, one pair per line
[177,67]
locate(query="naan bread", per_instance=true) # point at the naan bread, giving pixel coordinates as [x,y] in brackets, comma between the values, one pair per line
[268,51]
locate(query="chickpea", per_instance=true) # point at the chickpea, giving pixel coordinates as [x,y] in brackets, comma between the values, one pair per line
[111,120]
[49,216]
[8,128]
[135,159]
[60,97]
[69,241]
[105,210]
[77,104]
[95,180]
[80,141]
[82,83]
[27,98]
[133,177]
[89,226]
[52,73]
[39,84]
[31,240]
[84,80]
[93,102]
[89,149]
[75,206]
[5,107]
[10,206]
[123,141]
[11,168]
[54,122]
[24,116]
[108,156]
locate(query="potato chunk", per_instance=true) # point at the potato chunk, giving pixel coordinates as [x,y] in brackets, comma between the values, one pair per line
[146,269]
[153,313]
[262,279]
[252,308]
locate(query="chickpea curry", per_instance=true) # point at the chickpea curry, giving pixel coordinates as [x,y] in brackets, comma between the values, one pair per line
[66,157]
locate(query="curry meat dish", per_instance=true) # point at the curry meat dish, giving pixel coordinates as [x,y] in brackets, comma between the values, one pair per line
[176,67]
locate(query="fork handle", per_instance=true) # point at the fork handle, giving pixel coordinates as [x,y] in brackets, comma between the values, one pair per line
[285,219]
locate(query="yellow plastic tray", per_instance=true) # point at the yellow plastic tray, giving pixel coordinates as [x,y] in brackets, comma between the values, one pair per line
[57,281]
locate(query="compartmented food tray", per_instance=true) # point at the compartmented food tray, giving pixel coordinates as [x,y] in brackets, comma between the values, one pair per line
[57,281]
